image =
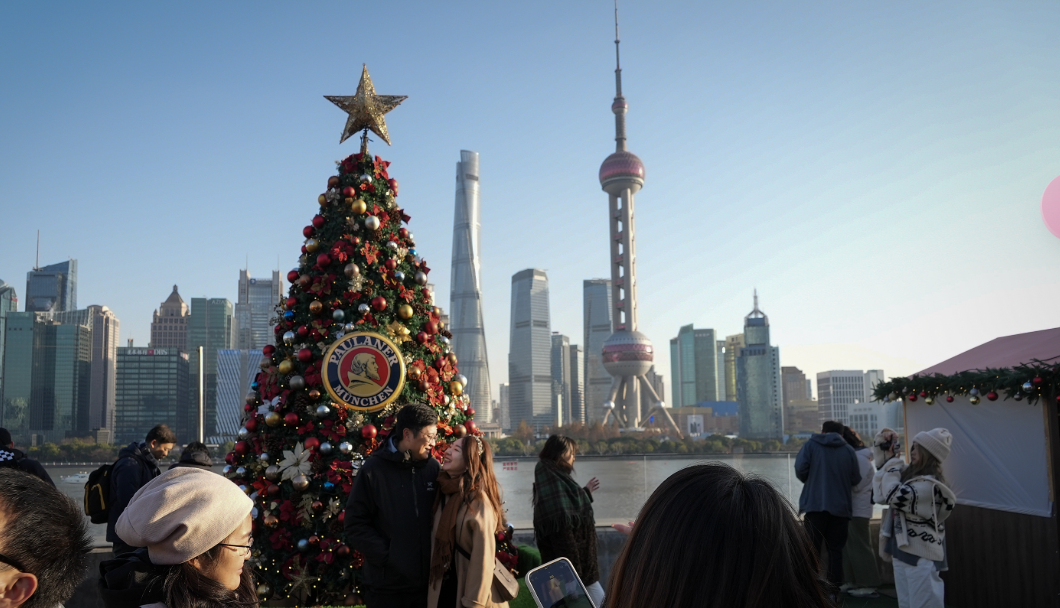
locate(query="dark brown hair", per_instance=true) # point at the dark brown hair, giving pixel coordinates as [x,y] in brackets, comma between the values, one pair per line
[187,587]
[479,476]
[161,433]
[711,537]
[929,465]
[556,449]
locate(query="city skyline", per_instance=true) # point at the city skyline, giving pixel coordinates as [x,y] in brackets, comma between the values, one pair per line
[849,137]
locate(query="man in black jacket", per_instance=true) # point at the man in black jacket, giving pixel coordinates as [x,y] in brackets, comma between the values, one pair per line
[11,457]
[388,514]
[137,464]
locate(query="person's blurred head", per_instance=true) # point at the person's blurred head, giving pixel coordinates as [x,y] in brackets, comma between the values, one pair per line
[416,430]
[852,438]
[711,537]
[560,451]
[5,439]
[199,524]
[160,440]
[44,542]
[195,454]
[831,426]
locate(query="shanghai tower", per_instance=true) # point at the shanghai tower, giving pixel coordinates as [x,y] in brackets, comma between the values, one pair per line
[465,293]
[628,354]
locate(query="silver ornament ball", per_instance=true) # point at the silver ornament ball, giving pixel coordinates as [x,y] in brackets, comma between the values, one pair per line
[1028,387]
[288,338]
[366,178]
[241,471]
[323,410]
[974,392]
[303,544]
[243,433]
[462,379]
[392,245]
[349,327]
[264,457]
[338,315]
[363,308]
[399,276]
[297,383]
[272,473]
[372,222]
[345,447]
[421,277]
[325,448]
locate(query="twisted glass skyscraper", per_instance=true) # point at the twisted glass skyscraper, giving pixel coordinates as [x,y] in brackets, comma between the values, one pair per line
[465,292]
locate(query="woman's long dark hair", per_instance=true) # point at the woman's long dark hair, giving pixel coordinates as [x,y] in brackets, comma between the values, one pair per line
[710,537]
[556,448]
[187,587]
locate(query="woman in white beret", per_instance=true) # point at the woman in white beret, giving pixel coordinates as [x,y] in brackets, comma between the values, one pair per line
[194,527]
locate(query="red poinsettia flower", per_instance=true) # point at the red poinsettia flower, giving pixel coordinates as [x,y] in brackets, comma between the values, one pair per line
[280,539]
[407,294]
[370,253]
[306,428]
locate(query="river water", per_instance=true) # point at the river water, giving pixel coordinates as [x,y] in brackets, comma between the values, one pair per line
[625,482]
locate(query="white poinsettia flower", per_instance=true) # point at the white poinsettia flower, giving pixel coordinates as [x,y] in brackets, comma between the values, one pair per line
[267,407]
[295,462]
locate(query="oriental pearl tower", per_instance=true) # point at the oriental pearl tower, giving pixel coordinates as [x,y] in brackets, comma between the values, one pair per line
[628,354]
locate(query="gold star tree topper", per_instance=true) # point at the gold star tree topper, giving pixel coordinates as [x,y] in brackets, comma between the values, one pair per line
[366,109]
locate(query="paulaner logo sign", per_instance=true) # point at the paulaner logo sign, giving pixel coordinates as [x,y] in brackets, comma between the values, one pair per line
[364,370]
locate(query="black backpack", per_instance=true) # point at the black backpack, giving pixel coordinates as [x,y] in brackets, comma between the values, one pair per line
[9,458]
[97,494]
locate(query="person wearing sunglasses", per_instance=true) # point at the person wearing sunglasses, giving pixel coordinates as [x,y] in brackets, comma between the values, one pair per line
[44,542]
[195,530]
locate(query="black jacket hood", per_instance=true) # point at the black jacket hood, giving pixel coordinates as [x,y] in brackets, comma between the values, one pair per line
[131,580]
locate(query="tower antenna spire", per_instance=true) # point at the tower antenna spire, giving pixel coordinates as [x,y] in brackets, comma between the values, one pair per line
[619,106]
[618,62]
[36,266]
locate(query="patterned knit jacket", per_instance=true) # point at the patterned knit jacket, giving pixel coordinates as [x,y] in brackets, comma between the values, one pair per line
[922,504]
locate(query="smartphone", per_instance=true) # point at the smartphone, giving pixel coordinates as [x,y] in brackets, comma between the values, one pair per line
[557,585]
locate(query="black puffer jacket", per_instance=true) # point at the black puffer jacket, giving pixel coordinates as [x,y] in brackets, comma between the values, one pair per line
[131,581]
[135,467]
[388,519]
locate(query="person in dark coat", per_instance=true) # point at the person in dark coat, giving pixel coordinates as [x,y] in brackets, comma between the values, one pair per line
[389,512]
[11,457]
[137,464]
[564,525]
[195,455]
[829,468]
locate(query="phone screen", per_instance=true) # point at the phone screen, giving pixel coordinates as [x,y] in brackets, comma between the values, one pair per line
[556,585]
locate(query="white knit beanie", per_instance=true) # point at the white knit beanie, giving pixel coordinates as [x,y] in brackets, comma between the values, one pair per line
[182,514]
[935,441]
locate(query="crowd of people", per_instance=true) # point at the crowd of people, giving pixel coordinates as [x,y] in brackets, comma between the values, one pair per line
[707,536]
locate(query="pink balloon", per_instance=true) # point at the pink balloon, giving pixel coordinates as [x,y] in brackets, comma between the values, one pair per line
[1051,207]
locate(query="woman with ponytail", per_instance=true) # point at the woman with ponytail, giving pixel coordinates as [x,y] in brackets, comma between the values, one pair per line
[467,518]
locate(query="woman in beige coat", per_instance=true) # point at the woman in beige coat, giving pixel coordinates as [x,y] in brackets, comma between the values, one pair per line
[467,517]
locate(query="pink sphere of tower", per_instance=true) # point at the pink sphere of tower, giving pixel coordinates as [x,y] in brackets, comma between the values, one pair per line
[622,170]
[628,353]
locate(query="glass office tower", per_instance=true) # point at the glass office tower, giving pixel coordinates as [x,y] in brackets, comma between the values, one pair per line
[529,355]
[52,288]
[758,378]
[211,326]
[153,388]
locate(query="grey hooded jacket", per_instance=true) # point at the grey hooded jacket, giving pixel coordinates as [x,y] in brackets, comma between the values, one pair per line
[828,467]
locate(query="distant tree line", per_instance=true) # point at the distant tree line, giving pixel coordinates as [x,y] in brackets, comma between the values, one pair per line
[597,439]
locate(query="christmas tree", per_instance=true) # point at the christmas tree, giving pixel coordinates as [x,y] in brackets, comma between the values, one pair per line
[356,339]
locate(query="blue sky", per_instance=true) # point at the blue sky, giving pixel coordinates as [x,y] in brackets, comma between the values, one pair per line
[874,169]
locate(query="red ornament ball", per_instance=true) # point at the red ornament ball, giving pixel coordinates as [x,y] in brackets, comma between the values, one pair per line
[290,419]
[379,303]
[390,264]
[949,398]
[303,331]
[241,448]
[991,396]
[308,231]
[248,408]
[403,233]
[291,302]
[369,431]
[923,394]
[273,489]
[422,337]
[230,458]
[1037,381]
[323,260]
[431,327]
[349,191]
[470,412]
[318,221]
[252,424]
[393,183]
[311,443]
[305,355]
[423,386]
[912,396]
[342,551]
[304,250]
[471,427]
[292,276]
[357,240]
[342,516]
[314,539]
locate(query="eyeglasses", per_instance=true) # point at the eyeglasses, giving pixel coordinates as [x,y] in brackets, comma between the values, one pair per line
[246,548]
[14,563]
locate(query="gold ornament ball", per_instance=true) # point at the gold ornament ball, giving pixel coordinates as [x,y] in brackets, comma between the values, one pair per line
[314,394]
[286,367]
[315,307]
[929,400]
[405,311]
[456,388]
[358,206]
[323,200]
[974,400]
[263,590]
[273,419]
[300,482]
[452,358]
[271,521]
[311,245]
[414,372]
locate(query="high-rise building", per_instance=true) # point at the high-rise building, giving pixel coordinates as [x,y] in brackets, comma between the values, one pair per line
[694,366]
[236,369]
[504,405]
[529,354]
[561,381]
[104,328]
[794,384]
[255,309]
[577,384]
[52,288]
[47,388]
[628,354]
[153,388]
[758,380]
[169,325]
[871,417]
[8,303]
[465,291]
[838,391]
[210,326]
[733,344]
[596,322]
